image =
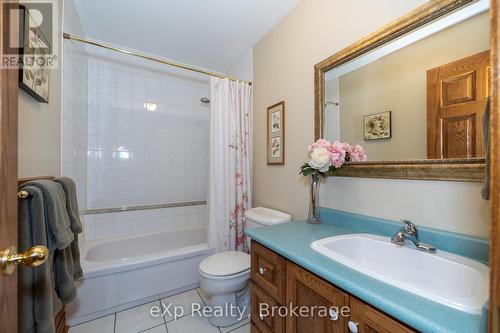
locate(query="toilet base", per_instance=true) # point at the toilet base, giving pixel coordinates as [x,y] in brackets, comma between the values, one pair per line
[236,307]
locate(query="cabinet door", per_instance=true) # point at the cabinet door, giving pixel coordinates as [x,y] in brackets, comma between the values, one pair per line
[261,321]
[254,328]
[365,319]
[268,271]
[304,289]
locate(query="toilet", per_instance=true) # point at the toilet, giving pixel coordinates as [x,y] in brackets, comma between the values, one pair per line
[224,276]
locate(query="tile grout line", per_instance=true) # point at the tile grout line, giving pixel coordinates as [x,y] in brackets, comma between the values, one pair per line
[164,319]
[150,328]
[164,324]
[187,314]
[200,297]
[204,303]
[157,300]
[220,330]
[88,321]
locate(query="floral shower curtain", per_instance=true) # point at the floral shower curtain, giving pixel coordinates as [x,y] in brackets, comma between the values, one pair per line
[229,193]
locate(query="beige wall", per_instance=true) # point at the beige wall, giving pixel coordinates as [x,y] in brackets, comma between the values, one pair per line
[40,127]
[283,70]
[397,83]
[40,132]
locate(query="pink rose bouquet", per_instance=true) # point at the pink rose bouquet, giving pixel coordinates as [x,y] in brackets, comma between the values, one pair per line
[326,157]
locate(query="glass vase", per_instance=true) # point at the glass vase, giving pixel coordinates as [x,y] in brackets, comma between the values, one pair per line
[313,215]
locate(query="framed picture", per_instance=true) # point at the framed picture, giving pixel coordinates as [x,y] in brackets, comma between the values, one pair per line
[276,134]
[377,126]
[33,79]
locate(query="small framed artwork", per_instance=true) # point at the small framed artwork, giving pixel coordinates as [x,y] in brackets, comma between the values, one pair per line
[377,126]
[33,78]
[276,134]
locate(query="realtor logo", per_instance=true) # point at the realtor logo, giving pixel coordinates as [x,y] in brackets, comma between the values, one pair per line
[32,35]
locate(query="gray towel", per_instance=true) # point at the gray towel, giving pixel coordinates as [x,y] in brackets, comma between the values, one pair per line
[64,275]
[60,237]
[485,192]
[69,188]
[75,254]
[56,215]
[36,285]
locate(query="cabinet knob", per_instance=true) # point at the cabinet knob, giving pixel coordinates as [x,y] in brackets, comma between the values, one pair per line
[334,314]
[353,327]
[262,270]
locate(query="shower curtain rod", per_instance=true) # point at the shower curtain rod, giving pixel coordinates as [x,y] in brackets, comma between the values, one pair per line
[151,58]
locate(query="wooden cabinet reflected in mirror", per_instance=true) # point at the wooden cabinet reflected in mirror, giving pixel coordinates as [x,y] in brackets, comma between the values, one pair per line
[413,94]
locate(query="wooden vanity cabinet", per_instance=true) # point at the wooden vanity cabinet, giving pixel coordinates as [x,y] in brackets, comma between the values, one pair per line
[268,271]
[306,289]
[279,282]
[263,323]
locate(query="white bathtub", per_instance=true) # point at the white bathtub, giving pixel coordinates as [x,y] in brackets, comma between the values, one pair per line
[122,273]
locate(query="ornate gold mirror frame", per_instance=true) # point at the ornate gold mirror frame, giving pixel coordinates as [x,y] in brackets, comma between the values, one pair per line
[446,169]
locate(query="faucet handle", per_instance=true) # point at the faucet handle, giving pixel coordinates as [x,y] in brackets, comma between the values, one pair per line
[398,238]
[409,228]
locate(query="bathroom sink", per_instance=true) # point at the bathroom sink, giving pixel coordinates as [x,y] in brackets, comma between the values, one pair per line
[443,277]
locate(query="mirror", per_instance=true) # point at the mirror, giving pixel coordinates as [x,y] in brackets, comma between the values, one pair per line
[417,93]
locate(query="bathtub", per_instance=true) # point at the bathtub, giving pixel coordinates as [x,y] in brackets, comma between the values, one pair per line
[122,273]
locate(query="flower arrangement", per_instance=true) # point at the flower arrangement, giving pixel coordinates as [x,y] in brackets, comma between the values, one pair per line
[325,157]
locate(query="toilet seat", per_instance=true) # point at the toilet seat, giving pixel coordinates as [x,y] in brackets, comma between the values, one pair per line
[225,265]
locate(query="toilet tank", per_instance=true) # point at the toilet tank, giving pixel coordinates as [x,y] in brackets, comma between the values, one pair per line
[261,216]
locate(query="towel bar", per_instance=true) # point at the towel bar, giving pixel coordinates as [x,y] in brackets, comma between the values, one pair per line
[92,211]
[25,194]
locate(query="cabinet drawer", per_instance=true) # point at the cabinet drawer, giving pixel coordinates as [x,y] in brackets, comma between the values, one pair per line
[370,320]
[265,324]
[268,271]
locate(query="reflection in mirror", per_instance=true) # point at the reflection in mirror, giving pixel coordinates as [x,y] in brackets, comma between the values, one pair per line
[420,96]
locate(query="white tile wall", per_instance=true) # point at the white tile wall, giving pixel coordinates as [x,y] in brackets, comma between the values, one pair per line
[75,109]
[119,153]
[124,224]
[138,156]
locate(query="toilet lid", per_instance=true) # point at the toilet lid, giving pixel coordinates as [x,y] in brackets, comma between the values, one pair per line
[225,263]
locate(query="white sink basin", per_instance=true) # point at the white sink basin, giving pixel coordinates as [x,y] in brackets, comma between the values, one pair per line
[449,279]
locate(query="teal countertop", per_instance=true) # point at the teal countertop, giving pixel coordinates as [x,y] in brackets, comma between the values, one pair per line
[292,241]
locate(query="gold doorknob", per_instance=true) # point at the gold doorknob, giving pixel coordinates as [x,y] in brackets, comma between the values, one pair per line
[9,258]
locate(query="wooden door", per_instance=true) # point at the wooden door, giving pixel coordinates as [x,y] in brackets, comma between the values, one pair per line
[8,177]
[456,99]
[306,289]
[494,306]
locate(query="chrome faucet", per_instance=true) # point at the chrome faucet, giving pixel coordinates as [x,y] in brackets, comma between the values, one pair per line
[409,232]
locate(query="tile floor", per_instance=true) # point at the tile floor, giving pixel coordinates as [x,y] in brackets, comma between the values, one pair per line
[139,319]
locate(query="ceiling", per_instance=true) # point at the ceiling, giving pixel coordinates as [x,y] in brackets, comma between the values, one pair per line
[213,34]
